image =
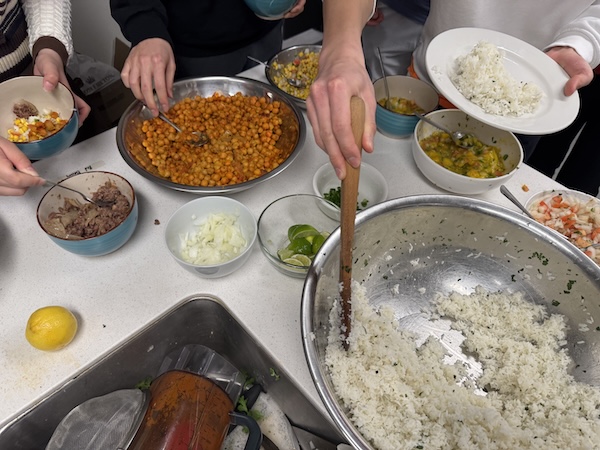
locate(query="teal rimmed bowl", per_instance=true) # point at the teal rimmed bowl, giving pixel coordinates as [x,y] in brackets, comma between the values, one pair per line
[88,183]
[395,125]
[60,100]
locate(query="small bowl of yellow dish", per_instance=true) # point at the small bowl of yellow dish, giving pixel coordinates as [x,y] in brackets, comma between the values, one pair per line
[211,237]
[407,94]
[40,123]
[492,161]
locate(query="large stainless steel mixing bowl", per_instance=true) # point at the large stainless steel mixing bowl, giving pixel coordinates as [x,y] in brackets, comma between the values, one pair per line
[442,243]
[129,136]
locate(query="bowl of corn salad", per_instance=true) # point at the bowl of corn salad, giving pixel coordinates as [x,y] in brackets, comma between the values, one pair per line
[40,123]
[300,62]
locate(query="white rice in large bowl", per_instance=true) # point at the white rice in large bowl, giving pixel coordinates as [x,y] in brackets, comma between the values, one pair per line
[404,394]
[481,77]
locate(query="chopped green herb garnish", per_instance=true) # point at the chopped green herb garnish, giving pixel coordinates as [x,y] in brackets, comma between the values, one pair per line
[274,374]
[144,385]
[555,303]
[335,196]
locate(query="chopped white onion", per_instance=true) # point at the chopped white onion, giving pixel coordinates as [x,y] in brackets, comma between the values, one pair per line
[218,239]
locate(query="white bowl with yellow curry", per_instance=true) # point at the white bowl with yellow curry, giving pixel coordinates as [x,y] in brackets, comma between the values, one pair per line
[494,157]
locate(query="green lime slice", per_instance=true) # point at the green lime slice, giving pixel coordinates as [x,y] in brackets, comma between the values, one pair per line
[293,261]
[284,253]
[292,229]
[317,241]
[301,231]
[304,260]
[300,245]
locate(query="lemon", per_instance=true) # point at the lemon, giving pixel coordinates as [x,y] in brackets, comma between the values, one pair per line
[51,328]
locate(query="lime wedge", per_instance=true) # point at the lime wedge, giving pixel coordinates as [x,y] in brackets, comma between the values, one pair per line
[301,231]
[317,241]
[284,253]
[293,261]
[300,245]
[304,260]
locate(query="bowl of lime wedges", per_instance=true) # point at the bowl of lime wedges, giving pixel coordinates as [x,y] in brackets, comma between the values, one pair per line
[291,231]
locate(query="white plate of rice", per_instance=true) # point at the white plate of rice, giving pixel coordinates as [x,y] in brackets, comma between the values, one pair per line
[501,80]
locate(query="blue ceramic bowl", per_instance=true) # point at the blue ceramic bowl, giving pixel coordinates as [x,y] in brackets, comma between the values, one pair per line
[60,100]
[270,9]
[396,125]
[88,183]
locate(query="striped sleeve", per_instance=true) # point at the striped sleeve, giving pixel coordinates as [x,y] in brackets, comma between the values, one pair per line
[49,25]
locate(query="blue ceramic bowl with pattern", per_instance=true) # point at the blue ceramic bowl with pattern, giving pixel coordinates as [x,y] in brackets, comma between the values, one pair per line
[60,100]
[270,9]
[89,183]
[397,125]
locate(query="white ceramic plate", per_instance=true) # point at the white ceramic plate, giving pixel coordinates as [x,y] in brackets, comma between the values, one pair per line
[523,61]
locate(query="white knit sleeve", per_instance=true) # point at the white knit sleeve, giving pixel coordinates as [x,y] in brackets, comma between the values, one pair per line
[49,18]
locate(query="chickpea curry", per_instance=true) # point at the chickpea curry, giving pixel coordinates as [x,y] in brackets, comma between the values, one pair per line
[243,132]
[479,161]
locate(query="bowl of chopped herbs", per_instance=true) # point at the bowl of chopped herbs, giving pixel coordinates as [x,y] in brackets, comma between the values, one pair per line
[372,189]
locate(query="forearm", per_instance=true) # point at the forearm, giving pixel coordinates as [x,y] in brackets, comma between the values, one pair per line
[343,22]
[49,26]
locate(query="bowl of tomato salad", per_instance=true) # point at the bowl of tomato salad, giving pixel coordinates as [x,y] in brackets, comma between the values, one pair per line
[573,214]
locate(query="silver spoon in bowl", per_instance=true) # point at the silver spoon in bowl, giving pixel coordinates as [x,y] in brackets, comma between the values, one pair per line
[464,140]
[385,81]
[202,138]
[295,82]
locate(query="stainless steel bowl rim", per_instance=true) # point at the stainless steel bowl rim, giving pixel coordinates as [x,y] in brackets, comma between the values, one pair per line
[312,47]
[314,272]
[215,190]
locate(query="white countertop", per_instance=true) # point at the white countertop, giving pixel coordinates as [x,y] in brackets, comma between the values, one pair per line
[117,294]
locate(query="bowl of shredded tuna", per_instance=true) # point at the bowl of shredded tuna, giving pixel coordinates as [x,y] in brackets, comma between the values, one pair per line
[471,327]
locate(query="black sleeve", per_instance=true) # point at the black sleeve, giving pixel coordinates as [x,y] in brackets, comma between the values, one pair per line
[141,19]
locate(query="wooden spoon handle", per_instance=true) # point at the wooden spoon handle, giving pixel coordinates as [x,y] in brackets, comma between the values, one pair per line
[349,194]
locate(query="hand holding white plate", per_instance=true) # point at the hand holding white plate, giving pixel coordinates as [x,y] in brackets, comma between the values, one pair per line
[523,61]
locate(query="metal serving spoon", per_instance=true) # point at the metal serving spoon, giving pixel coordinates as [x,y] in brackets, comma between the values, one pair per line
[202,138]
[295,82]
[385,81]
[509,195]
[464,140]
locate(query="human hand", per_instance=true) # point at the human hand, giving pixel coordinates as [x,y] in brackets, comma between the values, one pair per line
[342,74]
[296,9]
[579,71]
[150,67]
[49,65]
[16,172]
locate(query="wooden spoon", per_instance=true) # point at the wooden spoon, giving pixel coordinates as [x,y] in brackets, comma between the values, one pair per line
[349,196]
